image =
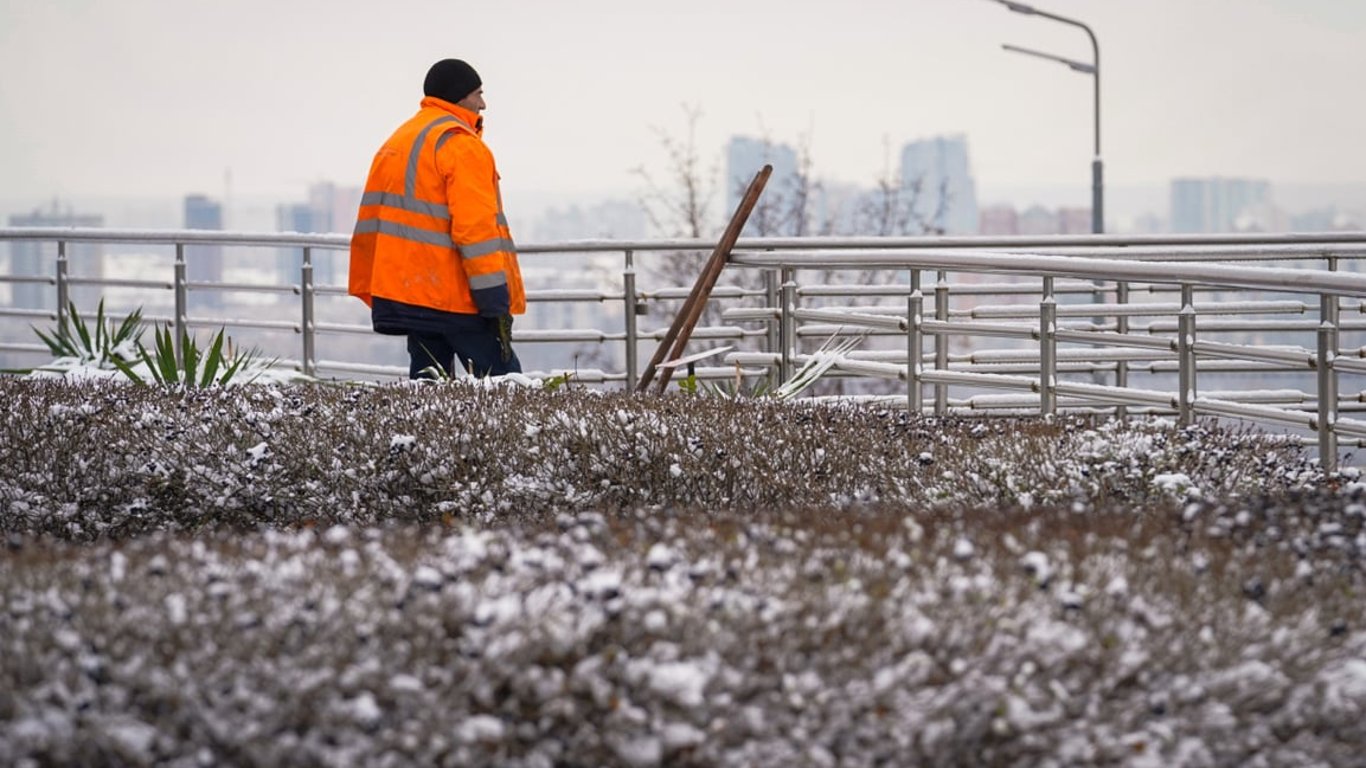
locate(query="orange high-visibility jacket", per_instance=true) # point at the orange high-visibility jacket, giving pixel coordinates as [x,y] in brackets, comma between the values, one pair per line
[431,230]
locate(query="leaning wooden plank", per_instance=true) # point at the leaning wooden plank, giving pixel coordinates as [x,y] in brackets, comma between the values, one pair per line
[677,336]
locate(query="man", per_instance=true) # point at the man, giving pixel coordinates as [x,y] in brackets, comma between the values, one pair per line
[431,255]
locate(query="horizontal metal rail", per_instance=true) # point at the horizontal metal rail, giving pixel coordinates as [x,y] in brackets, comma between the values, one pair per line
[1143,310]
[1057,306]
[1256,278]
[1328,242]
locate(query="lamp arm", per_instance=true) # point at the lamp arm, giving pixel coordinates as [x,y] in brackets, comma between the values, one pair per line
[1095,52]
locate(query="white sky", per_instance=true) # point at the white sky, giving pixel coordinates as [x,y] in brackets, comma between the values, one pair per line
[161,97]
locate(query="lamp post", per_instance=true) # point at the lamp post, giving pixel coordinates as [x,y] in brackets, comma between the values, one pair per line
[1093,69]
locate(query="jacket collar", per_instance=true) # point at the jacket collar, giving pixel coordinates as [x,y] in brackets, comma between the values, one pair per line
[466,116]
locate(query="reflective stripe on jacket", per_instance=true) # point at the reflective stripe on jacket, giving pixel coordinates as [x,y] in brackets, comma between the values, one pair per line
[431,230]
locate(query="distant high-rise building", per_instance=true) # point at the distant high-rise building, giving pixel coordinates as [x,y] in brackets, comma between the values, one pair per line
[1149,224]
[777,208]
[84,260]
[1215,204]
[609,219]
[329,209]
[1038,220]
[1327,219]
[204,263]
[1035,220]
[998,220]
[836,208]
[1074,221]
[938,169]
[334,207]
[292,217]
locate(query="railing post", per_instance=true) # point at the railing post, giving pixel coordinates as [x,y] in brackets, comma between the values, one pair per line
[1122,366]
[915,307]
[1185,354]
[1097,321]
[182,301]
[631,307]
[772,331]
[63,285]
[1048,350]
[310,358]
[941,342]
[1328,382]
[787,335]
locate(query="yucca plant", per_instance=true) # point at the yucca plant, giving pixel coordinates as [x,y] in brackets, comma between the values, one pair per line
[217,365]
[435,371]
[825,358]
[108,345]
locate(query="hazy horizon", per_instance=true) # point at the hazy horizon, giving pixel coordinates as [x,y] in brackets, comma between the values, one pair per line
[1125,203]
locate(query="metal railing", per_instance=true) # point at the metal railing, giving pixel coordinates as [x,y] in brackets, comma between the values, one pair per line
[1086,315]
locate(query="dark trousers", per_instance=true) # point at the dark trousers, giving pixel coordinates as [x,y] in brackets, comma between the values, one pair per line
[474,342]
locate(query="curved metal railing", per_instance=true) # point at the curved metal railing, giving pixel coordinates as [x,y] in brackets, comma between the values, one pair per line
[1104,307]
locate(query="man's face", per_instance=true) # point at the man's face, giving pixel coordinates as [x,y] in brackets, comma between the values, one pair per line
[473,102]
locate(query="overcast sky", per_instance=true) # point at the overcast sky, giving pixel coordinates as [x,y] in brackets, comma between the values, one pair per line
[163,97]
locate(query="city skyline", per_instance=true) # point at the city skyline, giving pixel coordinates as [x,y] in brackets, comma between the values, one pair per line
[1189,205]
[140,99]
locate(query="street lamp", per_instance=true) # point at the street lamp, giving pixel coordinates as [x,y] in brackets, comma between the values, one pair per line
[1093,69]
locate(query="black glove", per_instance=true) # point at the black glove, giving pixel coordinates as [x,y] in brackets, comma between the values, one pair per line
[502,328]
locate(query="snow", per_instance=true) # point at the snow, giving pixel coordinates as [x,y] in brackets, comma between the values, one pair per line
[963,549]
[132,739]
[679,736]
[429,577]
[1173,482]
[176,611]
[480,728]
[1344,686]
[1036,564]
[364,709]
[661,557]
[680,682]
[640,752]
[405,683]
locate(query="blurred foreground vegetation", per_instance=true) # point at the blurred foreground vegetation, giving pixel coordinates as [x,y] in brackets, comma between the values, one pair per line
[463,574]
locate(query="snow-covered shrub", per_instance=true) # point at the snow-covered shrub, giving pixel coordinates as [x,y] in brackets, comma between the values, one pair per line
[100,460]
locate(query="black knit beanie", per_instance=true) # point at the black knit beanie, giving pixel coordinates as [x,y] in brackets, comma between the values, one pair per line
[451,80]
